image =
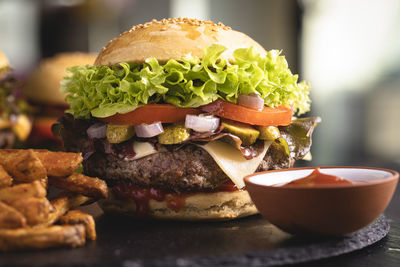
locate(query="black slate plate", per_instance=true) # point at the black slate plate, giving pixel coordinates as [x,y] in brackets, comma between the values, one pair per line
[251,241]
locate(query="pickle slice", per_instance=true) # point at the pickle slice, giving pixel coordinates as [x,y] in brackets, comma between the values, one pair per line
[119,133]
[245,132]
[268,133]
[174,134]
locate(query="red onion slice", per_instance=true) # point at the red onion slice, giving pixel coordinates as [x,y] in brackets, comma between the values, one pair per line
[202,123]
[87,155]
[149,130]
[107,147]
[97,130]
[253,101]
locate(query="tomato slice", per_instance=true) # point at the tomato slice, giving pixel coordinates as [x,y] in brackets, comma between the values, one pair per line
[151,113]
[281,115]
[42,128]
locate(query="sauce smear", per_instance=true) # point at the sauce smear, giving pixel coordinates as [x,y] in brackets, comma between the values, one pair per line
[142,196]
[139,195]
[317,178]
[176,202]
[228,186]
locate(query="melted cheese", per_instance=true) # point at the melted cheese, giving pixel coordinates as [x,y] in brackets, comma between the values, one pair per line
[143,149]
[232,162]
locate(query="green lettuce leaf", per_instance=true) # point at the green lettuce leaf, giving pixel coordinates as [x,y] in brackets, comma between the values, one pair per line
[102,91]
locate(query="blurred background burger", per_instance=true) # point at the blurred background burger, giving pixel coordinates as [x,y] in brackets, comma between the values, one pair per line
[14,123]
[43,93]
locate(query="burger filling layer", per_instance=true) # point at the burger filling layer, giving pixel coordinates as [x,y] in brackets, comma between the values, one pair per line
[183,167]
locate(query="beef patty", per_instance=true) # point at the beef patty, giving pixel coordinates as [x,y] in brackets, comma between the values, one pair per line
[186,168]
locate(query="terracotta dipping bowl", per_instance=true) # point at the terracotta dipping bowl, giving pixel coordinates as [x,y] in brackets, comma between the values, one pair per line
[322,210]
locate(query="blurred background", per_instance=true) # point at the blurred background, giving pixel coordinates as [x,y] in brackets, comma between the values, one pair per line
[349,51]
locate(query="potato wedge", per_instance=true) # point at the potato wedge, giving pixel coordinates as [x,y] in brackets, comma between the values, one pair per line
[35,210]
[80,217]
[61,205]
[10,218]
[59,164]
[27,217]
[44,182]
[11,194]
[22,165]
[82,184]
[53,236]
[5,179]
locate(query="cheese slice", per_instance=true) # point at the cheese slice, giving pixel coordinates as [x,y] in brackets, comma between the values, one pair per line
[232,162]
[143,149]
[307,156]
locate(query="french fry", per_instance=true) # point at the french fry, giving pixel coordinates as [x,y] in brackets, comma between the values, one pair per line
[10,218]
[59,164]
[27,217]
[39,238]
[11,194]
[35,210]
[22,165]
[44,182]
[82,184]
[61,205]
[5,179]
[80,217]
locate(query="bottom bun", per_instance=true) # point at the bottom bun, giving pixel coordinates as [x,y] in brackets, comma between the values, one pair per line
[199,206]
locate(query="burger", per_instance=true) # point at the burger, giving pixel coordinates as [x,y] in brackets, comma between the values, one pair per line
[15,124]
[42,90]
[175,113]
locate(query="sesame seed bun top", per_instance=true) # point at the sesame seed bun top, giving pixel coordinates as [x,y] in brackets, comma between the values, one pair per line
[173,39]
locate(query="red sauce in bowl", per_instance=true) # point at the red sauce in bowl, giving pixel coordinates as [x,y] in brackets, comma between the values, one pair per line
[317,178]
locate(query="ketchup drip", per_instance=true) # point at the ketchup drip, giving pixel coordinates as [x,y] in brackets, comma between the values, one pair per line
[176,202]
[156,194]
[228,186]
[139,195]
